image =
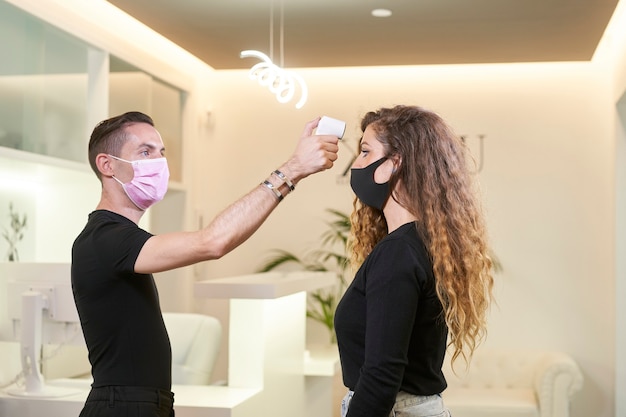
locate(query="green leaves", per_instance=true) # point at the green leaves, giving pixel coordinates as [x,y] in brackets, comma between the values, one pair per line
[15,234]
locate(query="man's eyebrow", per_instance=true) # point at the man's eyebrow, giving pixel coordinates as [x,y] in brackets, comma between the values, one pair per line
[151,146]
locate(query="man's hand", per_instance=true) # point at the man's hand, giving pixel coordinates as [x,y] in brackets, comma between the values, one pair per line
[314,153]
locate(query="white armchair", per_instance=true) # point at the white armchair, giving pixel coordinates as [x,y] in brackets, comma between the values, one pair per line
[10,364]
[515,383]
[195,340]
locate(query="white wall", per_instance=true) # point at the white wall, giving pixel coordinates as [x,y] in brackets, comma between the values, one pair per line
[611,55]
[620,266]
[547,184]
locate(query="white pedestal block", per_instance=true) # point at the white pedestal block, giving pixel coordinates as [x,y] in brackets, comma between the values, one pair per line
[267,339]
[321,364]
[267,352]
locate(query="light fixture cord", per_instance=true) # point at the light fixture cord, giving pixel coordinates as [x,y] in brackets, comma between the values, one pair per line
[272,30]
[282,34]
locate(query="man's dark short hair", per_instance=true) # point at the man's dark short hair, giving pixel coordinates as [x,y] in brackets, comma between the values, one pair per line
[109,135]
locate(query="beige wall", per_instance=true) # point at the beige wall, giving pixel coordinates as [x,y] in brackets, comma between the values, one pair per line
[547,184]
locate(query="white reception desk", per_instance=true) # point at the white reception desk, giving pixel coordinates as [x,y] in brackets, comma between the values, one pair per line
[267,342]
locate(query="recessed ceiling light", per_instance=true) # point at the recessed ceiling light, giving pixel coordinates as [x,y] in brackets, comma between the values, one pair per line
[381,12]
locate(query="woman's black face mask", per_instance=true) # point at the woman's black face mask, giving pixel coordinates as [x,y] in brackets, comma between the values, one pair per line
[366,189]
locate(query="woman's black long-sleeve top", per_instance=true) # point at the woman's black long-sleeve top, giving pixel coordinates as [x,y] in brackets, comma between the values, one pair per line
[390,328]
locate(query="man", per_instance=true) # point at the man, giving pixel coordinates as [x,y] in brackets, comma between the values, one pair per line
[113,259]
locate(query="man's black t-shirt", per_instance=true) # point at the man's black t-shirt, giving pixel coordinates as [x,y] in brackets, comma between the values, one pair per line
[119,310]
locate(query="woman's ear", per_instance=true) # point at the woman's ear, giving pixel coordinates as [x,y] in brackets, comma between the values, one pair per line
[396,161]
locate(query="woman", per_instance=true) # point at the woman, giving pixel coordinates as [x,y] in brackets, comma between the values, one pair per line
[419,238]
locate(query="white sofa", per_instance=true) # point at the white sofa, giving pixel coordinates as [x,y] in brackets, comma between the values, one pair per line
[512,383]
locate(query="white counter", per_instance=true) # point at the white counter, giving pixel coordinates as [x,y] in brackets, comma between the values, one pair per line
[189,401]
[269,285]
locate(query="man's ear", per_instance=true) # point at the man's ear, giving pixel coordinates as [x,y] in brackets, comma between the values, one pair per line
[103,163]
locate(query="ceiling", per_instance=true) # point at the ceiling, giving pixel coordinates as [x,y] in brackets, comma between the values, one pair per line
[338,33]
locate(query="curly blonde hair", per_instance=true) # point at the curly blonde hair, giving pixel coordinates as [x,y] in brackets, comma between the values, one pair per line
[437,188]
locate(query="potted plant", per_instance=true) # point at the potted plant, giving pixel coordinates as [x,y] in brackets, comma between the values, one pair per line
[330,256]
[14,234]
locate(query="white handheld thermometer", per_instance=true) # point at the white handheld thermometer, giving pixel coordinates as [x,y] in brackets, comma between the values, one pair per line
[330,126]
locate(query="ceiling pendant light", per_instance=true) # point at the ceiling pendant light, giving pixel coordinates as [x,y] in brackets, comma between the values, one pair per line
[281,82]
